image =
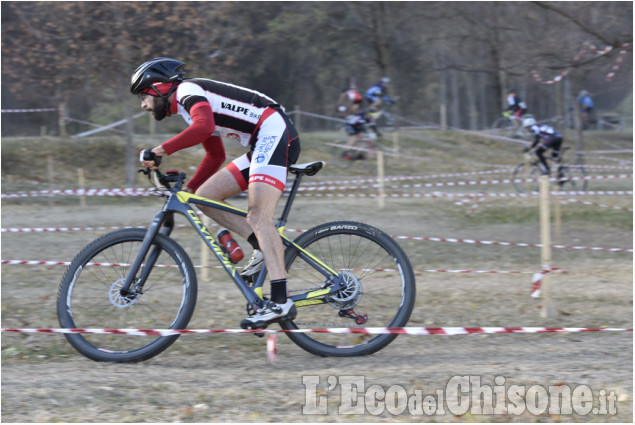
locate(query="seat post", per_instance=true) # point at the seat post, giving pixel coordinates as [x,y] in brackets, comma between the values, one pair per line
[287,208]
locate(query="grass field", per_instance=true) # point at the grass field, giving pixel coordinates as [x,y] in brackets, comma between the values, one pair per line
[225,377]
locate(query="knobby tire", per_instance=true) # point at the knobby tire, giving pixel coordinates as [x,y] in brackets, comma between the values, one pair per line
[88,297]
[372,261]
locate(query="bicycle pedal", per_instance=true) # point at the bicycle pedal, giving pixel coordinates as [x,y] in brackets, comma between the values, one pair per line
[290,316]
[246,324]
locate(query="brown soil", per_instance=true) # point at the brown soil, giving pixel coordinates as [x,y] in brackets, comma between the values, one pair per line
[226,378]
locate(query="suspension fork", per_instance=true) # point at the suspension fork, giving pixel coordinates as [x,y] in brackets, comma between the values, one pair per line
[163,223]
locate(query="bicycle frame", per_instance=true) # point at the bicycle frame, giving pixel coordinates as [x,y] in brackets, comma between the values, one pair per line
[179,202]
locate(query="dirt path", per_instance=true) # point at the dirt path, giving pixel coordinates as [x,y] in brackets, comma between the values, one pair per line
[226,378]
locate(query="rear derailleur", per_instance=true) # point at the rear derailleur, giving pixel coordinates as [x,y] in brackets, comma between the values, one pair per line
[350,313]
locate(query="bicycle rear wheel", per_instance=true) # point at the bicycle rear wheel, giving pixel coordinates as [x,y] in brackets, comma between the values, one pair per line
[89,297]
[571,178]
[524,176]
[380,288]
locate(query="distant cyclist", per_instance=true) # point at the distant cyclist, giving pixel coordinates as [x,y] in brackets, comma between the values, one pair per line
[585,104]
[350,104]
[350,101]
[377,96]
[545,138]
[515,107]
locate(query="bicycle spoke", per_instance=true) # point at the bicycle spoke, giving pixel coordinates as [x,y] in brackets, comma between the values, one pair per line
[90,297]
[379,289]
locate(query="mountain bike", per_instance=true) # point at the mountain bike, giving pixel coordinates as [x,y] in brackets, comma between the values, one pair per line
[362,152]
[570,177]
[510,126]
[383,117]
[342,274]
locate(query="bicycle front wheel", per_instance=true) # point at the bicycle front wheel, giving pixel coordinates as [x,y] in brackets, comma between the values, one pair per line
[90,297]
[380,289]
[503,126]
[525,178]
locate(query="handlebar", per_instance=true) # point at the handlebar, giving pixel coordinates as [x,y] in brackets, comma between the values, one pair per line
[165,180]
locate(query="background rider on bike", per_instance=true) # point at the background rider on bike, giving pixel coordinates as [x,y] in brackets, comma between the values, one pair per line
[545,137]
[377,96]
[350,105]
[214,109]
[515,107]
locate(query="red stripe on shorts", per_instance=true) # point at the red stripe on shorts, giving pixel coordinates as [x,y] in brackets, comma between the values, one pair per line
[263,178]
[237,175]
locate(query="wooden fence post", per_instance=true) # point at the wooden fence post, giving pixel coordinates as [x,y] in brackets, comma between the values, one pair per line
[380,179]
[82,187]
[49,175]
[557,219]
[395,140]
[61,120]
[548,309]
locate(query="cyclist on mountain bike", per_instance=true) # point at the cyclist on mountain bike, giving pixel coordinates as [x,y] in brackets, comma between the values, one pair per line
[545,137]
[515,107]
[350,101]
[213,110]
[377,96]
[350,105]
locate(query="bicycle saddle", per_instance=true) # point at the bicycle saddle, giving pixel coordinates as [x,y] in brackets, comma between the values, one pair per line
[309,169]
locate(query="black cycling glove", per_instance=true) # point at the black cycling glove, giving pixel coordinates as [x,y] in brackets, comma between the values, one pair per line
[148,155]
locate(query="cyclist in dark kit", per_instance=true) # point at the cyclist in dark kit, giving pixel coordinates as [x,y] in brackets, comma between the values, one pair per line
[215,111]
[545,138]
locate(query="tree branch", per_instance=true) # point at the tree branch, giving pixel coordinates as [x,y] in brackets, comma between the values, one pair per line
[585,28]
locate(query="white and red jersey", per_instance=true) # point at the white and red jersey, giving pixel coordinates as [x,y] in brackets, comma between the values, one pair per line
[353,96]
[544,131]
[236,109]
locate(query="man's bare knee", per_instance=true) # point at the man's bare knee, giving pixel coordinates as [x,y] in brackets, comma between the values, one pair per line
[257,220]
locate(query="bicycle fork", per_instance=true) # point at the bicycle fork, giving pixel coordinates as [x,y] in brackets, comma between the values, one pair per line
[163,223]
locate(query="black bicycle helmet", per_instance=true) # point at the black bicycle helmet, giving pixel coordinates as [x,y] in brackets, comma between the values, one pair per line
[157,70]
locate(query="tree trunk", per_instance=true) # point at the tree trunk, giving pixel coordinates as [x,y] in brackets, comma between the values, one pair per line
[131,155]
[472,110]
[455,111]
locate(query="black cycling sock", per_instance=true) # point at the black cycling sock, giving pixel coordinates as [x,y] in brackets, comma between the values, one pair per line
[279,291]
[253,240]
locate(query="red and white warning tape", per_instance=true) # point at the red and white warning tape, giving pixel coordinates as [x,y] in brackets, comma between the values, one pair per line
[609,167]
[618,62]
[65,229]
[566,201]
[148,191]
[415,238]
[363,331]
[537,245]
[598,53]
[536,280]
[66,263]
[504,169]
[85,192]
[462,195]
[28,110]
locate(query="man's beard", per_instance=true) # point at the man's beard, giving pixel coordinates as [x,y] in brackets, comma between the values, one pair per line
[159,111]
